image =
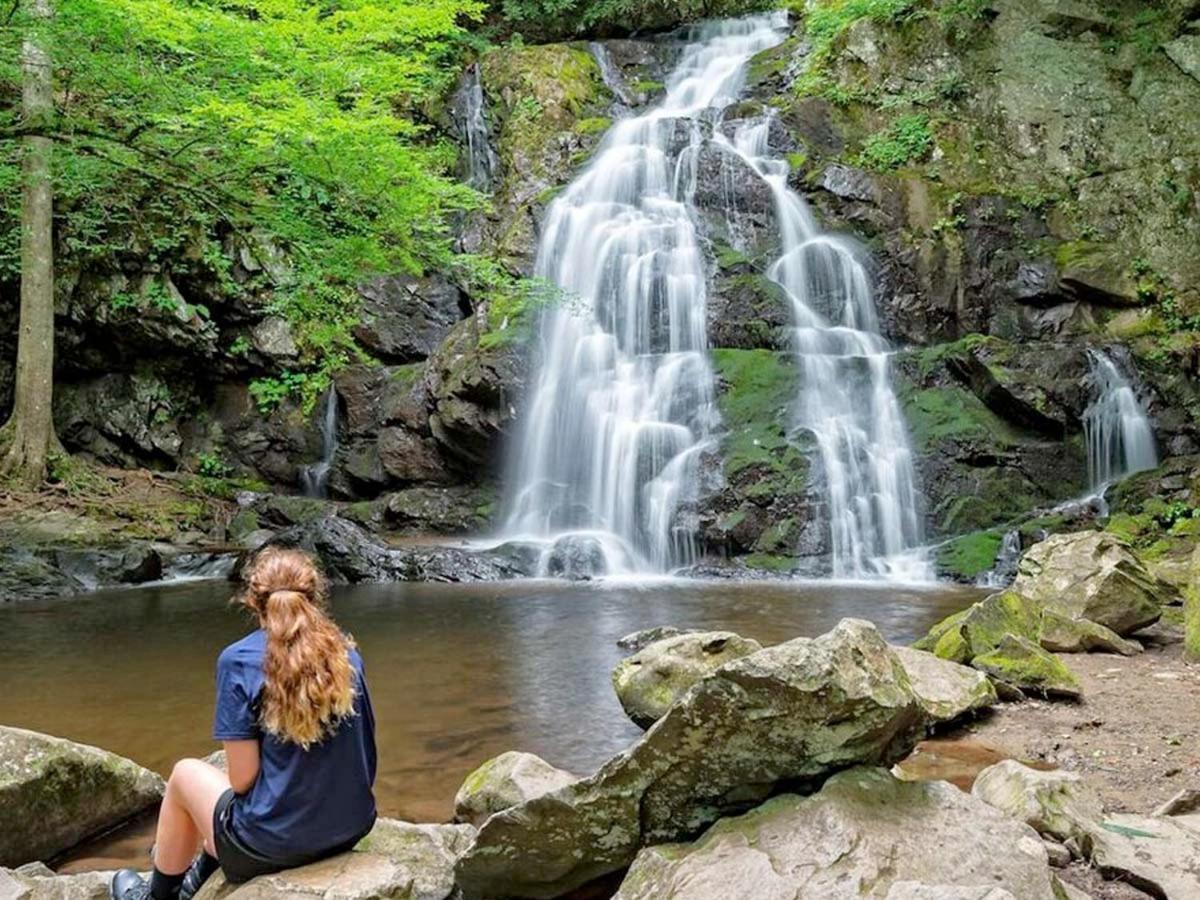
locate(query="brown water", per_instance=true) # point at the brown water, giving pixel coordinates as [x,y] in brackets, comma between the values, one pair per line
[457,673]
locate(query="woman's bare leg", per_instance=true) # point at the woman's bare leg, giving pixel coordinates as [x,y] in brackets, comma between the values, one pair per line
[185,820]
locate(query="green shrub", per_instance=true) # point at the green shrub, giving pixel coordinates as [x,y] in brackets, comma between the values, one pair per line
[907,140]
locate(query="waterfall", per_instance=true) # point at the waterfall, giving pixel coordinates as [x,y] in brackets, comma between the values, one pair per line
[1004,569]
[609,74]
[472,125]
[621,405]
[847,402]
[1120,440]
[314,478]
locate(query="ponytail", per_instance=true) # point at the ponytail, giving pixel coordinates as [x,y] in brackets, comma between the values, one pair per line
[308,683]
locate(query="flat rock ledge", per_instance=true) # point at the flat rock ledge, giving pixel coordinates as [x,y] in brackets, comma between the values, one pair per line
[864,834]
[64,793]
[397,859]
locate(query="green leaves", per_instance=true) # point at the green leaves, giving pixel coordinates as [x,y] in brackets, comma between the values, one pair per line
[908,139]
[185,125]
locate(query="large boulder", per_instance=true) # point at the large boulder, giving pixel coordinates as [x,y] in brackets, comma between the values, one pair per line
[796,711]
[505,781]
[649,682]
[864,834]
[55,793]
[397,859]
[1093,575]
[945,690]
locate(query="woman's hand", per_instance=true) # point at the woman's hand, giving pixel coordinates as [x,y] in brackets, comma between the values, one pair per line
[242,758]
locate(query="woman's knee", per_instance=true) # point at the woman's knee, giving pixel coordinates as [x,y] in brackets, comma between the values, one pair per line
[183,771]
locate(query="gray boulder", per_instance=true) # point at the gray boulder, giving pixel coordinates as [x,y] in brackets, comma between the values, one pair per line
[1093,575]
[864,834]
[797,711]
[649,682]
[397,859]
[945,690]
[505,781]
[55,793]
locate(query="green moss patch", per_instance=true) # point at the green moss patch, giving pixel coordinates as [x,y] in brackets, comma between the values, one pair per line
[760,388]
[970,555]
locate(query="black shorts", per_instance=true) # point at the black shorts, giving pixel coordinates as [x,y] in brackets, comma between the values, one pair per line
[240,863]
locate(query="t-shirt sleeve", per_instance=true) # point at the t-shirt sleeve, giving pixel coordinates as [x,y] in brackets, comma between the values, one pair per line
[235,719]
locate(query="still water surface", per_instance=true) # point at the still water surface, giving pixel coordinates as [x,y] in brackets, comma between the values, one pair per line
[458,673]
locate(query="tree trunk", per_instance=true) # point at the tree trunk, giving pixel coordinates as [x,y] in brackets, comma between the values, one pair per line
[29,433]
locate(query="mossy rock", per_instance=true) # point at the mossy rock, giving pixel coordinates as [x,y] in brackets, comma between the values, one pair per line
[968,556]
[1191,610]
[1018,662]
[983,627]
[55,793]
[756,402]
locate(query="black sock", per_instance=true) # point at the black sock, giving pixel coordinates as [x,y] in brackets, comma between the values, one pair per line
[165,887]
[208,865]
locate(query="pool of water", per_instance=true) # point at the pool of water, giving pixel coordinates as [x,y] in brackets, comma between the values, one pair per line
[457,673]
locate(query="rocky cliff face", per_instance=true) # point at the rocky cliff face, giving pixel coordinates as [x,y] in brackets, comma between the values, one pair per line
[1025,175]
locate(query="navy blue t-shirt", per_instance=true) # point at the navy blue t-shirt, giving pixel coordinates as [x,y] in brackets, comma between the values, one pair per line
[304,802]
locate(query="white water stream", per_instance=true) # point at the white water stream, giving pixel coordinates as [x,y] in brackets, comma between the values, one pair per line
[1120,440]
[622,403]
[314,478]
[847,402]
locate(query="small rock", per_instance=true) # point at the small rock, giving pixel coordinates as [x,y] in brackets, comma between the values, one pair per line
[1183,803]
[639,640]
[505,781]
[649,682]
[1059,855]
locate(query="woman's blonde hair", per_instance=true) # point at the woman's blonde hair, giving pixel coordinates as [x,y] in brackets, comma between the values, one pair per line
[309,684]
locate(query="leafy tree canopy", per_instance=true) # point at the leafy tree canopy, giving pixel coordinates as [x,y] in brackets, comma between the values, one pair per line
[185,123]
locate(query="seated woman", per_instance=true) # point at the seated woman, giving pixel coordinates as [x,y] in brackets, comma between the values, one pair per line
[299,735]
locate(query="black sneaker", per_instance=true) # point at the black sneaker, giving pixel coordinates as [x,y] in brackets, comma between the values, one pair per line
[201,869]
[128,885]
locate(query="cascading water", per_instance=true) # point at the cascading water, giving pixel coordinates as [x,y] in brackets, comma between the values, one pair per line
[847,402]
[472,125]
[1120,440]
[314,478]
[622,404]
[609,73]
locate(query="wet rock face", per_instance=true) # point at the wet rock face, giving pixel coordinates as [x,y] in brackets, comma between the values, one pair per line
[404,319]
[757,721]
[576,558]
[865,833]
[472,393]
[64,792]
[351,554]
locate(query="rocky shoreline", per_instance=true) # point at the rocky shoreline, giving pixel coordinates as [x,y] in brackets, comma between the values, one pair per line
[766,770]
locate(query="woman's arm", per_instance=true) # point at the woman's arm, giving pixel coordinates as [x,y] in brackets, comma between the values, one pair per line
[242,757]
